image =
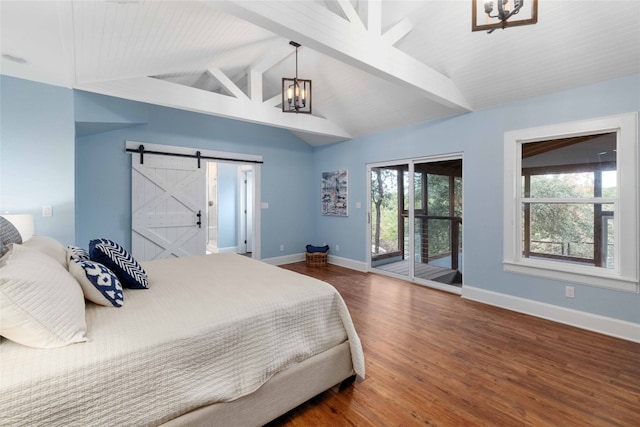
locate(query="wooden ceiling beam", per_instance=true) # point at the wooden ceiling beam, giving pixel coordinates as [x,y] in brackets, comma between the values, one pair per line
[394,34]
[374,17]
[226,83]
[253,73]
[168,94]
[350,13]
[322,30]
[274,101]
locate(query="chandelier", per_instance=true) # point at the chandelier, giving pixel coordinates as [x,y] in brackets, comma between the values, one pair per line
[296,93]
[502,14]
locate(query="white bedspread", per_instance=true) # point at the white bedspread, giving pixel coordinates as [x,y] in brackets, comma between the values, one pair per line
[211,328]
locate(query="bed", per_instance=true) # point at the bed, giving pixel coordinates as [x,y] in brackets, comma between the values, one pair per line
[214,340]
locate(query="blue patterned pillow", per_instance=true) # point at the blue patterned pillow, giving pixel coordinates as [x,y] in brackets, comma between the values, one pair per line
[118,260]
[98,283]
[75,253]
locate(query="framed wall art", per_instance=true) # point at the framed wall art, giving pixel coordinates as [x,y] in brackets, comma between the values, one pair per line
[335,192]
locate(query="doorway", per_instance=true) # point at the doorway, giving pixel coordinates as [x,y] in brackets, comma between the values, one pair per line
[182,206]
[415,221]
[230,202]
[245,210]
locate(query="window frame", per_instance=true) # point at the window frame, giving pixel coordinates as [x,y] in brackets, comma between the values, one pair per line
[624,275]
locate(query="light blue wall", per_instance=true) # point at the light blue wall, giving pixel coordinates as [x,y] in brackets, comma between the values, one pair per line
[103,168]
[479,136]
[37,168]
[37,152]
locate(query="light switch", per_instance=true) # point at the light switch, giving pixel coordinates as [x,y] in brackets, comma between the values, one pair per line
[47,211]
[264,205]
[358,205]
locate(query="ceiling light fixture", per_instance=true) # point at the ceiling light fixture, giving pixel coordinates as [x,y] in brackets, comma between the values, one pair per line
[296,93]
[500,14]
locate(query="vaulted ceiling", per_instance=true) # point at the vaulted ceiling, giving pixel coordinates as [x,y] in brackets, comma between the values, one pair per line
[375,64]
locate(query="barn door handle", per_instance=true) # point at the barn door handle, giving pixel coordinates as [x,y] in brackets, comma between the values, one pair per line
[199,215]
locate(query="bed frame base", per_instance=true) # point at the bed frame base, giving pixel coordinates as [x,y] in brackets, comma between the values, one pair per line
[347,382]
[283,392]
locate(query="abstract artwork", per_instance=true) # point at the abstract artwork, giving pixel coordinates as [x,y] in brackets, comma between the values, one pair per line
[334,193]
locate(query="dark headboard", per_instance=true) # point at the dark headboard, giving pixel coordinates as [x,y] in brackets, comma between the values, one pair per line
[8,235]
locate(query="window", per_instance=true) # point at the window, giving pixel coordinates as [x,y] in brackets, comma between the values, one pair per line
[570,197]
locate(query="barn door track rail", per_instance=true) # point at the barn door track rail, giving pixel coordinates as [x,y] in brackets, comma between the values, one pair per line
[141,150]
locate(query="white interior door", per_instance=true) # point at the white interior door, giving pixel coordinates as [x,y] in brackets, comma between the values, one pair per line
[168,203]
[249,215]
[245,209]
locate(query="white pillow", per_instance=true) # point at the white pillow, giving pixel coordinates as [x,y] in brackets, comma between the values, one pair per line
[41,304]
[49,246]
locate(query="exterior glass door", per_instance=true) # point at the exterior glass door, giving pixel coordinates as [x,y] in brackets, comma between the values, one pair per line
[388,234]
[416,220]
[437,213]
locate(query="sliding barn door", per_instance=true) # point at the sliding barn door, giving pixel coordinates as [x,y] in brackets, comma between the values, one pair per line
[168,203]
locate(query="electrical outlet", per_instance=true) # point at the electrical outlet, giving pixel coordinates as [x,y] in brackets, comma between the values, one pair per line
[337,248]
[281,248]
[569,292]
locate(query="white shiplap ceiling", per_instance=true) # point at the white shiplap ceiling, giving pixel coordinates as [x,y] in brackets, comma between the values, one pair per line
[419,62]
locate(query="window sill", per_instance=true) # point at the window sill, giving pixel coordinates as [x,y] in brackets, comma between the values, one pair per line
[605,279]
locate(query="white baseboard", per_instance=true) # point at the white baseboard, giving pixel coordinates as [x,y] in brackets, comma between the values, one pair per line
[347,263]
[592,322]
[286,259]
[332,259]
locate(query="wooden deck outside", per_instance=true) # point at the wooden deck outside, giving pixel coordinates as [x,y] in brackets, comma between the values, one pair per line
[422,271]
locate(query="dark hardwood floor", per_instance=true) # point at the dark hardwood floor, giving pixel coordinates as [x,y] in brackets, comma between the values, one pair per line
[433,358]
